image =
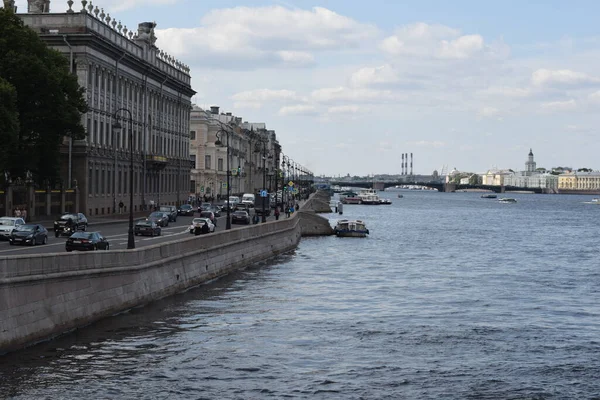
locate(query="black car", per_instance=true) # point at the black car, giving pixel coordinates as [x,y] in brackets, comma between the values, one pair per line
[216,210]
[86,241]
[146,227]
[240,217]
[70,223]
[186,209]
[30,234]
[161,218]
[171,211]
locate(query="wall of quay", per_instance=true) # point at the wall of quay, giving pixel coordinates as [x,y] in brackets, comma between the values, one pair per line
[42,296]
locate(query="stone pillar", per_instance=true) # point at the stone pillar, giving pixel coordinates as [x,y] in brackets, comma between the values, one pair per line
[48,201]
[31,202]
[63,200]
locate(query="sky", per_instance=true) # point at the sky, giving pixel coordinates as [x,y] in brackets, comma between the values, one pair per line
[348,86]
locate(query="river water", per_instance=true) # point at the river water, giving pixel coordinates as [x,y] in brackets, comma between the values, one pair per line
[450,297]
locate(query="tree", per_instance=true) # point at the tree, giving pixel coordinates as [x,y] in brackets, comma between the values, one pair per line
[9,121]
[49,100]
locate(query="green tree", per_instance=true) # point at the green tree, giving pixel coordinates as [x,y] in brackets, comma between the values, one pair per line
[9,121]
[49,101]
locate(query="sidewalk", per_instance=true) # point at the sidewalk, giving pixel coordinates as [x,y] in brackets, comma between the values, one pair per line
[94,221]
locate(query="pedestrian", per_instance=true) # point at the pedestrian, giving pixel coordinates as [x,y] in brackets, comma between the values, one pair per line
[24,214]
[276,213]
[17,213]
[287,211]
[205,228]
[255,218]
[121,205]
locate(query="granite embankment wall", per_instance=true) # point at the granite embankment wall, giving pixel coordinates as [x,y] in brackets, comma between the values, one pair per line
[42,296]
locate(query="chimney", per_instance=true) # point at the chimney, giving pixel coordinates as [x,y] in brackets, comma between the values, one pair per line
[411,162]
[214,110]
[402,168]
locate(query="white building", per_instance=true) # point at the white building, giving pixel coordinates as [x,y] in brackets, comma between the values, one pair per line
[530,178]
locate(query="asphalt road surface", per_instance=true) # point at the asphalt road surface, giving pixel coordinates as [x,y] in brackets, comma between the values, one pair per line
[116,233]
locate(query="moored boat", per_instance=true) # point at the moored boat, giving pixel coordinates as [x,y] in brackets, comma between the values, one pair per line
[349,197]
[368,196]
[350,228]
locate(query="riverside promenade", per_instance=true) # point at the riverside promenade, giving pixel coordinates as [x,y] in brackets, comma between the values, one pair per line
[42,296]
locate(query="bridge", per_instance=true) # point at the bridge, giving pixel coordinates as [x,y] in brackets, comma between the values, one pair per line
[435,184]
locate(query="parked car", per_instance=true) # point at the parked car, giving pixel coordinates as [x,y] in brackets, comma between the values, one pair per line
[30,234]
[8,224]
[240,217]
[146,227]
[70,223]
[186,209]
[86,241]
[161,218]
[171,211]
[199,222]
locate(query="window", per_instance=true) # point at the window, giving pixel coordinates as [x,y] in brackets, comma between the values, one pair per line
[220,164]
[192,135]
[193,160]
[192,186]
[207,162]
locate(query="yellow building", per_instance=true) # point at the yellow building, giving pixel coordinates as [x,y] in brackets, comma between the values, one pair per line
[579,182]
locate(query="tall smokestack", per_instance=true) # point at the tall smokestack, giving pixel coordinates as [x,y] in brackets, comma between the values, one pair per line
[405,163]
[411,164]
[402,168]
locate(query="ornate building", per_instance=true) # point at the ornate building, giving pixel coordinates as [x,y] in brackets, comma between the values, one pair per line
[123,73]
[530,164]
[249,146]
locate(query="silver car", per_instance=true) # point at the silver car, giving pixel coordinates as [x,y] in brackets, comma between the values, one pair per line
[8,224]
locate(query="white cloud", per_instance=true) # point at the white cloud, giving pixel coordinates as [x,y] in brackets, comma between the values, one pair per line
[256,98]
[341,94]
[559,105]
[595,97]
[463,47]
[425,143]
[489,112]
[274,36]
[301,109]
[374,75]
[508,91]
[562,78]
[438,41]
[347,109]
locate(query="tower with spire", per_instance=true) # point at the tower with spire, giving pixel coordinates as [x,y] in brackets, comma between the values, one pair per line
[530,164]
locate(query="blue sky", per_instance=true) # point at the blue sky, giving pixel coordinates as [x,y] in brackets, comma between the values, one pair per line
[349,86]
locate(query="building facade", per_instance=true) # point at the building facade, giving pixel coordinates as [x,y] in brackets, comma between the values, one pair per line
[220,142]
[532,178]
[126,79]
[579,182]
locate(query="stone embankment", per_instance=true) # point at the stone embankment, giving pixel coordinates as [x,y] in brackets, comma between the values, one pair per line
[42,296]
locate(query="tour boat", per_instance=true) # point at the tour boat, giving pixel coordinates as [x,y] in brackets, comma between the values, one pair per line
[507,200]
[368,196]
[349,197]
[350,228]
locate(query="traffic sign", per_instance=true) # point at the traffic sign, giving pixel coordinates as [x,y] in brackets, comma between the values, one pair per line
[263,193]
[290,183]
[202,189]
[224,185]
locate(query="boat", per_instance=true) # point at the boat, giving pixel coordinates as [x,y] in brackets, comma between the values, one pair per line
[368,196]
[489,196]
[349,197]
[507,200]
[595,200]
[350,228]
[385,201]
[400,196]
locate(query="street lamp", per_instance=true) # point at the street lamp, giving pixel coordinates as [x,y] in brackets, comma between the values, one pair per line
[220,143]
[117,128]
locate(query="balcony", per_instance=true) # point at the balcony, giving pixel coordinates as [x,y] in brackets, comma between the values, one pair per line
[156,162]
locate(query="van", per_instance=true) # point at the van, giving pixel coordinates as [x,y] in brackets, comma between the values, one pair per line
[233,200]
[248,198]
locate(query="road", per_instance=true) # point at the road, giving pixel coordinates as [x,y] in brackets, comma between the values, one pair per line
[116,233]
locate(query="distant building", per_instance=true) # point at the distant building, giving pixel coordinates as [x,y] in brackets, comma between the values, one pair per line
[531,178]
[495,177]
[579,182]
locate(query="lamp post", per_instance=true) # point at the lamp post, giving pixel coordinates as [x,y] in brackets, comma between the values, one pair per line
[117,127]
[220,143]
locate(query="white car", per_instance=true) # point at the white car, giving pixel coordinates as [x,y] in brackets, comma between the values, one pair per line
[201,221]
[7,224]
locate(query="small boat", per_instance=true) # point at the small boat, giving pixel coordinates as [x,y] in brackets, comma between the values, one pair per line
[595,200]
[488,196]
[350,228]
[385,201]
[400,196]
[349,197]
[507,200]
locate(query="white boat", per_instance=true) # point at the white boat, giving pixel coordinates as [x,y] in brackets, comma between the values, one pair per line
[507,200]
[595,200]
[368,196]
[350,228]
